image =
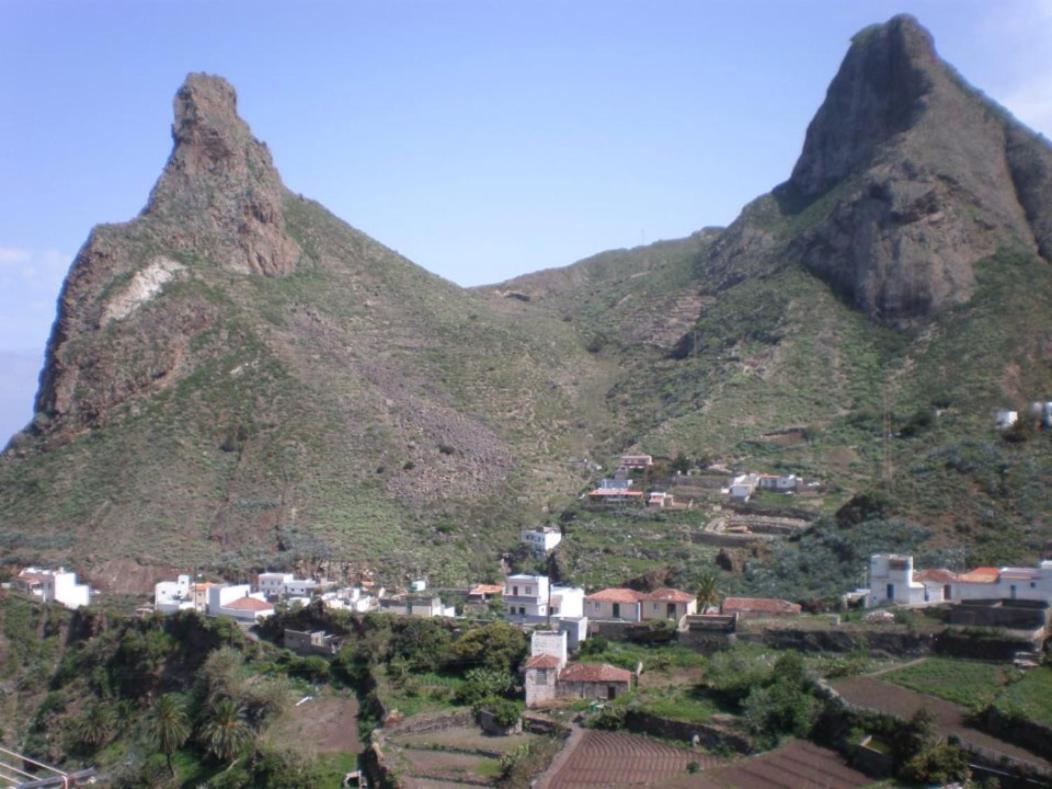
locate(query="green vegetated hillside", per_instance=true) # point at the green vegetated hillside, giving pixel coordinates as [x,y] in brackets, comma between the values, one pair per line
[238,379]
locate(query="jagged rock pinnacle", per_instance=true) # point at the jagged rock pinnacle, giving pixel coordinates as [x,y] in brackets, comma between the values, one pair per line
[877,93]
[220,192]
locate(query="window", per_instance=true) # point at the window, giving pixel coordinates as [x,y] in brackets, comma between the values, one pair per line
[514,591]
[542,676]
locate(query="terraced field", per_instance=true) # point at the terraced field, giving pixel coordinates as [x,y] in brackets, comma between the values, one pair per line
[608,759]
[797,765]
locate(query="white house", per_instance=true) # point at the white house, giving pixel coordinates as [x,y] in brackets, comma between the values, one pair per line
[417,605]
[614,603]
[276,585]
[784,483]
[273,584]
[541,540]
[526,596]
[237,601]
[1004,419]
[530,598]
[892,579]
[172,596]
[351,598]
[58,586]
[567,601]
[667,603]
[743,486]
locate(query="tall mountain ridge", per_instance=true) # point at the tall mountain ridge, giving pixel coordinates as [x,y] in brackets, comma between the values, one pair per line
[238,379]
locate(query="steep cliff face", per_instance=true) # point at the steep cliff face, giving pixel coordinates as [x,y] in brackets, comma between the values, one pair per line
[909,176]
[217,202]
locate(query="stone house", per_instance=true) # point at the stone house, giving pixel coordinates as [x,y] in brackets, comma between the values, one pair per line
[598,681]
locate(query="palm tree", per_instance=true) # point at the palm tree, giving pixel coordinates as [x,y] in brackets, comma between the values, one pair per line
[95,726]
[168,727]
[708,594]
[225,734]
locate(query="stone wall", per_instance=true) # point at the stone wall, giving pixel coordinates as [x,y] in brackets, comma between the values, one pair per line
[712,735]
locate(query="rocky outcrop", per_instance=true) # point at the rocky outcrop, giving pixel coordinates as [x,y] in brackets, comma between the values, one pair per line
[908,176]
[218,201]
[220,193]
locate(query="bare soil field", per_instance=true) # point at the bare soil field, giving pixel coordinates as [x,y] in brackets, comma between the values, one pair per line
[325,724]
[796,765]
[463,739]
[610,759]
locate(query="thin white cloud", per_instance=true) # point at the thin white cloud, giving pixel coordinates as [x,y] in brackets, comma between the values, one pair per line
[11,255]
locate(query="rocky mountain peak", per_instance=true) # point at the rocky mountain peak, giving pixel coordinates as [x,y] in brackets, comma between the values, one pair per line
[220,193]
[877,93]
[909,176]
[206,119]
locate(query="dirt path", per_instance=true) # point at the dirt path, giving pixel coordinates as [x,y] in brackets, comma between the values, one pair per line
[574,740]
[897,667]
[880,696]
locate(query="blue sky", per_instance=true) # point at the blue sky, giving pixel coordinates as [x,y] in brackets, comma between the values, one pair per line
[480,139]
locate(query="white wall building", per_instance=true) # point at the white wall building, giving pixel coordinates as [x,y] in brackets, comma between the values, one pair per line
[530,598]
[743,486]
[58,586]
[541,540]
[172,596]
[1004,419]
[892,580]
[785,483]
[273,584]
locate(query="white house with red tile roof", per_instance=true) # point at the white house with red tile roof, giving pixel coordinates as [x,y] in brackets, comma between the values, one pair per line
[667,603]
[893,580]
[614,603]
[238,601]
[58,586]
[758,607]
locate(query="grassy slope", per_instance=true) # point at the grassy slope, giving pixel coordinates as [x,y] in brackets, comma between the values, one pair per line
[359,410]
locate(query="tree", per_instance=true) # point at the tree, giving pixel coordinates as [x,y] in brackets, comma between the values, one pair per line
[707,593]
[95,726]
[497,646]
[226,734]
[680,464]
[424,643]
[168,727]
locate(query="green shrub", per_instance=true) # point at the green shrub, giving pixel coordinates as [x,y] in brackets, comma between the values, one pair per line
[506,713]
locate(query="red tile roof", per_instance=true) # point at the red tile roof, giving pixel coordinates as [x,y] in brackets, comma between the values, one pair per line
[980,575]
[765,605]
[249,604]
[614,595]
[543,661]
[667,595]
[594,672]
[481,589]
[937,575]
